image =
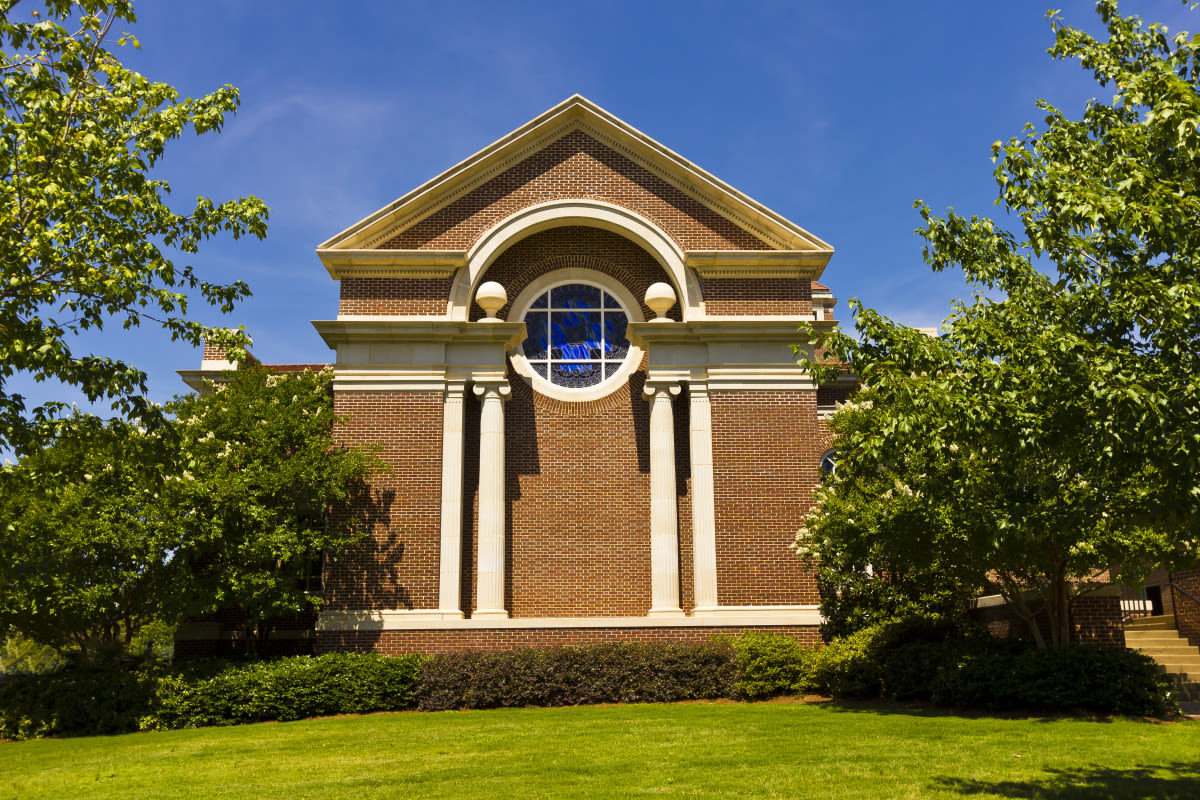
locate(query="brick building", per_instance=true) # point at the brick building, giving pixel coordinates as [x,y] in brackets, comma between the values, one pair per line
[574,349]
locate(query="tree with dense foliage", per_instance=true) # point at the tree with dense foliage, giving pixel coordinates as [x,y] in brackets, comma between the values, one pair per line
[1051,434]
[112,527]
[87,236]
[264,491]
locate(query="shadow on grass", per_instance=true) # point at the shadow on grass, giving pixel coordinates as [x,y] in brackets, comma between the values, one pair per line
[1176,781]
[920,709]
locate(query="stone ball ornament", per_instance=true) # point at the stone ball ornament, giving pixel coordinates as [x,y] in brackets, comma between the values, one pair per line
[491,297]
[660,297]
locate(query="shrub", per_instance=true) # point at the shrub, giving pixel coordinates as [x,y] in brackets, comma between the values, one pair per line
[924,658]
[619,672]
[1078,677]
[285,689]
[769,665]
[86,699]
[849,666]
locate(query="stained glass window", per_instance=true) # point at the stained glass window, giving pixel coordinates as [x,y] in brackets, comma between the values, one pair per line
[576,335]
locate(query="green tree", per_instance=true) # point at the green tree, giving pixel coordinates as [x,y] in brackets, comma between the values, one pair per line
[85,556]
[263,492]
[87,236]
[112,528]
[1052,433]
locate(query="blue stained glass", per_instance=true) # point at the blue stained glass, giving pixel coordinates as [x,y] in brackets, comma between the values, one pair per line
[537,339]
[616,338]
[572,343]
[575,376]
[576,295]
[573,334]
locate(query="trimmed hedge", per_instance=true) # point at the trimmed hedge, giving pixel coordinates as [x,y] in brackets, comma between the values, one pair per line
[286,689]
[618,672]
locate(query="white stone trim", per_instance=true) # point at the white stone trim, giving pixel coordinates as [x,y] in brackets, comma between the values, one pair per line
[416,354]
[755,615]
[729,354]
[704,524]
[805,264]
[664,518]
[360,263]
[591,213]
[560,277]
[736,616]
[450,552]
[489,574]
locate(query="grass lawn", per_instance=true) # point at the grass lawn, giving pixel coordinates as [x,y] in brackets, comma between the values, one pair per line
[690,750]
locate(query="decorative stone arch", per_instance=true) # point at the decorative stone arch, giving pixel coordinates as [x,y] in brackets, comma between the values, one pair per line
[590,213]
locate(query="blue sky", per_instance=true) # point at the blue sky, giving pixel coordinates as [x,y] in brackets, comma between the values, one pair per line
[835,115]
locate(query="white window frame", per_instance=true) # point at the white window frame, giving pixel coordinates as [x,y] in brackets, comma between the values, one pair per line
[561,277]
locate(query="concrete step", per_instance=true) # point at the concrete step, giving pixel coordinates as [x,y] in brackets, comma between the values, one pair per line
[1153,637]
[1178,663]
[1186,661]
[1157,638]
[1143,639]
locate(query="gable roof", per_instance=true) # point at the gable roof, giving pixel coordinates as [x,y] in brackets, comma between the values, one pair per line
[574,113]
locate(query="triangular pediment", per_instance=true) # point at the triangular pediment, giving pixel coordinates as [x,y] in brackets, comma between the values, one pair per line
[574,118]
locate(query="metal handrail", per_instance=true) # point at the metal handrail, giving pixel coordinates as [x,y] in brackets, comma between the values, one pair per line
[1182,591]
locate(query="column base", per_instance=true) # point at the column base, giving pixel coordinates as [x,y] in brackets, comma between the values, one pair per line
[665,612]
[489,613]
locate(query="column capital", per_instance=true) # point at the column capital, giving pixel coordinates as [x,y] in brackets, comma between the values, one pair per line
[666,388]
[492,387]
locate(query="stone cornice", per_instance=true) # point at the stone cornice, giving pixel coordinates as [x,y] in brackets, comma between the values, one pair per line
[806,264]
[391,263]
[423,331]
[425,355]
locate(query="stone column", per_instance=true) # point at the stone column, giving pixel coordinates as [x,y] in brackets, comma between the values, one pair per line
[704,521]
[664,519]
[450,576]
[489,587]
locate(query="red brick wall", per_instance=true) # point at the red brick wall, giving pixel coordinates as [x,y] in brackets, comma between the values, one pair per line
[766,452]
[756,296]
[1094,620]
[1097,620]
[454,641]
[833,393]
[578,475]
[578,492]
[212,352]
[1187,613]
[415,296]
[575,166]
[397,565]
